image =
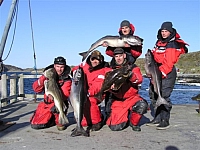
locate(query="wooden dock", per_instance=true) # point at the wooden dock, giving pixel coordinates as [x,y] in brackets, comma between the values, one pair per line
[16,84]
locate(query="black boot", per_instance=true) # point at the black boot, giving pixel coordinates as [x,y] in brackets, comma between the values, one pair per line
[165,115]
[96,127]
[164,124]
[135,128]
[153,123]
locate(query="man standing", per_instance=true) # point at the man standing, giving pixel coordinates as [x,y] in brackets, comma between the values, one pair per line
[126,29]
[166,53]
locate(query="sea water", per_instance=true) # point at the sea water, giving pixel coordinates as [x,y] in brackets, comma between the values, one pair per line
[181,94]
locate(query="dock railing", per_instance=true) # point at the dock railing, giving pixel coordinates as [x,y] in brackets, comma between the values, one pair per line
[16,85]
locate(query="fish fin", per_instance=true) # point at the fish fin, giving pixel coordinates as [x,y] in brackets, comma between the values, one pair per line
[79,131]
[84,54]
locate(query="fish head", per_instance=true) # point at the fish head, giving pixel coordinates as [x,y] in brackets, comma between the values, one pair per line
[126,69]
[148,57]
[148,62]
[133,40]
[50,73]
[197,98]
[77,75]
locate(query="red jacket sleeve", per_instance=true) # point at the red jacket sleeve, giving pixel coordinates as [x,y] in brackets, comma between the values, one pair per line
[171,57]
[38,85]
[110,51]
[136,51]
[66,88]
[136,76]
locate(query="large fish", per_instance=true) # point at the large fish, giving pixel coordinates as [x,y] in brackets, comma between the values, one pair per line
[113,41]
[117,77]
[153,72]
[51,87]
[78,97]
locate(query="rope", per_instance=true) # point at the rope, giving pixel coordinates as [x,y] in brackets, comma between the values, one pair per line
[34,54]
[13,15]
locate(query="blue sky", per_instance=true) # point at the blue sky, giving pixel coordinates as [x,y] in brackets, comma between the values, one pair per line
[67,27]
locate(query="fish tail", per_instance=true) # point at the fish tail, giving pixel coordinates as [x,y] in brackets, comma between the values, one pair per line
[63,119]
[84,54]
[161,101]
[79,131]
[98,96]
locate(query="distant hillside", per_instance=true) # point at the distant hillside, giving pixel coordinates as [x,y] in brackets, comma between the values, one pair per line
[11,68]
[188,63]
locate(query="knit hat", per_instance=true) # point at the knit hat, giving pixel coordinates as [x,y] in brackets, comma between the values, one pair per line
[118,50]
[60,60]
[96,55]
[125,23]
[167,26]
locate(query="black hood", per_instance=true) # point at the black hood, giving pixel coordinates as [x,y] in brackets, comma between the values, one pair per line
[66,71]
[172,35]
[101,65]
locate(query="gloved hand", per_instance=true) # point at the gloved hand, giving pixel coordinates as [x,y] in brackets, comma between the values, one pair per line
[53,109]
[42,79]
[49,99]
[77,74]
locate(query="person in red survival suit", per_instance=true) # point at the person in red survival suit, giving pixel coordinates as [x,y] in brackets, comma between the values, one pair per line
[166,53]
[46,114]
[126,28]
[95,69]
[126,103]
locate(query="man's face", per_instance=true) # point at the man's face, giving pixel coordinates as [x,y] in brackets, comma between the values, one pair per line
[165,34]
[119,58]
[94,62]
[125,30]
[59,68]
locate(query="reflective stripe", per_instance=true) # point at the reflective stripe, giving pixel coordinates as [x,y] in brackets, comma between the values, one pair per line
[39,82]
[101,76]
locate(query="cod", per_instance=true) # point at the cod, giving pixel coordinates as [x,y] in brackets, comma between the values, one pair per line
[52,88]
[113,41]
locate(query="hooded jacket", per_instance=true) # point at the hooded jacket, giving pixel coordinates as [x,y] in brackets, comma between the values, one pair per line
[167,51]
[95,75]
[130,87]
[135,51]
[64,82]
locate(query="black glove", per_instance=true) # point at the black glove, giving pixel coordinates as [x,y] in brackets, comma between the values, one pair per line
[54,110]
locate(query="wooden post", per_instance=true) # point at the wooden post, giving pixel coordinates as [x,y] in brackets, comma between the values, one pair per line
[21,86]
[3,87]
[13,88]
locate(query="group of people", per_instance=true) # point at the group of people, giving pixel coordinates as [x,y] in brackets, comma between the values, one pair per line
[125,106]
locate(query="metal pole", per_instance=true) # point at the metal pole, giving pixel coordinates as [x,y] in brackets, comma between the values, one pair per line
[6,29]
[1,1]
